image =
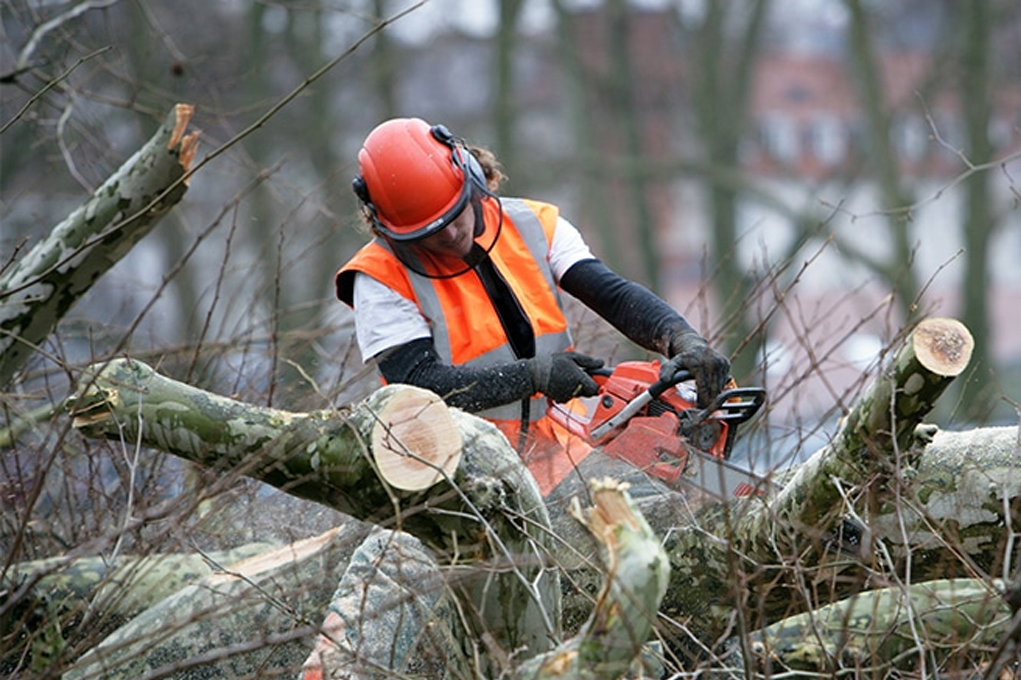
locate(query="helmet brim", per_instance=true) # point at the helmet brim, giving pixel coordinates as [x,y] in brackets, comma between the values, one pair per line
[435,226]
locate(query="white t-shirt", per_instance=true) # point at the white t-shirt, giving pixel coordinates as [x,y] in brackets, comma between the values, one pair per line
[385,319]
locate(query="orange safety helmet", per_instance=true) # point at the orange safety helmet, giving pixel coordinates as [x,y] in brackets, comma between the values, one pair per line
[415,178]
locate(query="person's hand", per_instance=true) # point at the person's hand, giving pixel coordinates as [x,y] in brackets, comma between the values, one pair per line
[564,375]
[711,370]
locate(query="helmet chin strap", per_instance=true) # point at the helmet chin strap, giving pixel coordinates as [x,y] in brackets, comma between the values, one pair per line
[410,257]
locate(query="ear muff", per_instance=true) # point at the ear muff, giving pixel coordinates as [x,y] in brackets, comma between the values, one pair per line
[462,158]
[361,190]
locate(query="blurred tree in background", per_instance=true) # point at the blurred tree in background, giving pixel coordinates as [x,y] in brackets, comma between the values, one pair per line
[802,179]
[642,122]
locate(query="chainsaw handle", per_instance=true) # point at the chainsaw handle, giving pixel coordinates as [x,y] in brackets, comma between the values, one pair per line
[655,389]
[735,405]
[660,386]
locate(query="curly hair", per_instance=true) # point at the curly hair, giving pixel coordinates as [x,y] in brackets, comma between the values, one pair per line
[490,167]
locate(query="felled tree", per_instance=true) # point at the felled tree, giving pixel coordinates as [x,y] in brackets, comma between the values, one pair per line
[925,504]
[718,557]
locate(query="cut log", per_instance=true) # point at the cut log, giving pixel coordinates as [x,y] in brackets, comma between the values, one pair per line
[320,456]
[415,441]
[40,288]
[746,542]
[488,513]
[880,428]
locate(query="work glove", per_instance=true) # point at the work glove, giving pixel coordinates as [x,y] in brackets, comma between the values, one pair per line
[690,351]
[563,376]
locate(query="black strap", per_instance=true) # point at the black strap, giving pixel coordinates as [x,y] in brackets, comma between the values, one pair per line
[516,325]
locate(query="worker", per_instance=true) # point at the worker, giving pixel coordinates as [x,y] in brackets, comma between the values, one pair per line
[459,292]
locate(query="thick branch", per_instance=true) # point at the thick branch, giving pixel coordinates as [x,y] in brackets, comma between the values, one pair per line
[488,512]
[58,593]
[885,629]
[799,521]
[270,601]
[322,456]
[37,291]
[880,427]
[955,510]
[636,571]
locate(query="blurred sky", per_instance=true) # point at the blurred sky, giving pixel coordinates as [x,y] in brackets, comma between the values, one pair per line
[479,17]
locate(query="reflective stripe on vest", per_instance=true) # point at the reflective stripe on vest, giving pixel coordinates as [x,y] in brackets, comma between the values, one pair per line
[531,231]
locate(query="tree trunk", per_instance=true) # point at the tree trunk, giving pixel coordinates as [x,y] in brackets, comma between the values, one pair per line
[37,291]
[488,510]
[728,545]
[726,560]
[884,162]
[723,89]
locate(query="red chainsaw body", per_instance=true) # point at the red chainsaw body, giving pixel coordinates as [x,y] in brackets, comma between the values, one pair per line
[629,380]
[657,437]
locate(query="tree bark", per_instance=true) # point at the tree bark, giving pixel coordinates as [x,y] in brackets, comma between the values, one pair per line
[40,288]
[746,543]
[938,625]
[489,512]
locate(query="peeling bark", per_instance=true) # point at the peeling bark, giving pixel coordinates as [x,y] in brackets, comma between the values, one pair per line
[752,553]
[43,285]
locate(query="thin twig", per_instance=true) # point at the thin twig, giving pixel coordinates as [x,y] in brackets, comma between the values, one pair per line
[40,32]
[50,85]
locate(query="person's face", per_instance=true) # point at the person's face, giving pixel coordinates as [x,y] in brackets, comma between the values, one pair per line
[455,239]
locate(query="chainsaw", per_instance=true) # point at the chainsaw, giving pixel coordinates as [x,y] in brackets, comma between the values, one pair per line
[655,425]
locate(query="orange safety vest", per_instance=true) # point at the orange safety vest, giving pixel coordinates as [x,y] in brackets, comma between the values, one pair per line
[467,331]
